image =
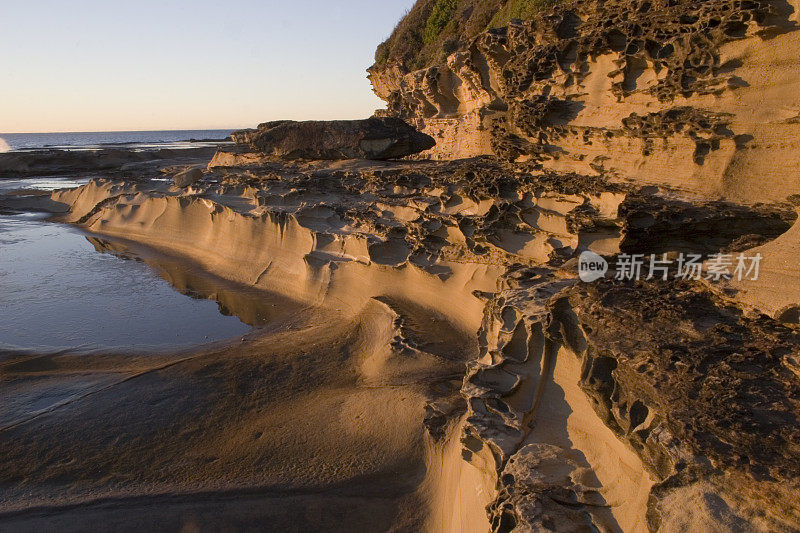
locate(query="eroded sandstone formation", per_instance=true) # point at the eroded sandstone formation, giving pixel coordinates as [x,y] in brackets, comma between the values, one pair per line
[605,405]
[698,95]
[704,395]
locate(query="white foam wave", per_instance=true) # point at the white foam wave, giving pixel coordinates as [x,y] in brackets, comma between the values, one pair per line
[4,147]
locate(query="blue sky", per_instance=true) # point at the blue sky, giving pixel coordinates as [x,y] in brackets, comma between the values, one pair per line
[111,65]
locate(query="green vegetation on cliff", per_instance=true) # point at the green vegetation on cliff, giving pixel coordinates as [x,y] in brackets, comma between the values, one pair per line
[432,29]
[519,9]
[441,16]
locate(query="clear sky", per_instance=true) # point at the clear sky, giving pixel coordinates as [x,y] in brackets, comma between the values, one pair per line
[88,65]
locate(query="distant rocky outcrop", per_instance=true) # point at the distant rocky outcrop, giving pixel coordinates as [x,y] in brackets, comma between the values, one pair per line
[49,162]
[373,138]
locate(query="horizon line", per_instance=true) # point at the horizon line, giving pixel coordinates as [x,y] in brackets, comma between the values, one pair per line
[117,131]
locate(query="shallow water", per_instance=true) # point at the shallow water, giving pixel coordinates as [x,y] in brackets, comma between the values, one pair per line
[49,183]
[57,292]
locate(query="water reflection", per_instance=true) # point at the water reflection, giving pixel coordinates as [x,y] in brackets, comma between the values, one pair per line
[56,292]
[42,183]
[254,307]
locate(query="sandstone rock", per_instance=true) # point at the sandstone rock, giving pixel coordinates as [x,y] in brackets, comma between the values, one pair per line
[373,138]
[609,406]
[187,177]
[701,394]
[656,91]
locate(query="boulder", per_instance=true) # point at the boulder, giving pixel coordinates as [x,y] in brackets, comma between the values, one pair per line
[373,138]
[187,177]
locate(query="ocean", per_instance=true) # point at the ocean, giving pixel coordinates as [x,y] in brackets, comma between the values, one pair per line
[109,139]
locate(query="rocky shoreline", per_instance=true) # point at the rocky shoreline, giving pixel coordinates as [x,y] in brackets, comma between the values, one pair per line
[447,360]
[580,377]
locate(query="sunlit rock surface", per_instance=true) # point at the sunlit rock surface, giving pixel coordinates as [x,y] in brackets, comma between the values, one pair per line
[697,95]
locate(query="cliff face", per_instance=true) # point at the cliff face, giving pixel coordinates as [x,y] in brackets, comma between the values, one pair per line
[698,96]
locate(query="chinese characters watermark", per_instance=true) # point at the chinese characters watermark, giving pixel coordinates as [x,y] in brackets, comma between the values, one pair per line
[632,267]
